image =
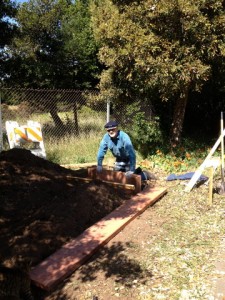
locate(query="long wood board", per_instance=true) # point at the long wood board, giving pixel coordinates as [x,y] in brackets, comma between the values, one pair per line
[49,273]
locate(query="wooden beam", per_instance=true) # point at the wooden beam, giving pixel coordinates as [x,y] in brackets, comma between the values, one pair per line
[77,166]
[211,171]
[115,184]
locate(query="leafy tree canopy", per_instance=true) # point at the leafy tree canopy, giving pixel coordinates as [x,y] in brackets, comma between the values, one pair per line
[36,50]
[80,46]
[7,13]
[8,29]
[162,47]
[54,47]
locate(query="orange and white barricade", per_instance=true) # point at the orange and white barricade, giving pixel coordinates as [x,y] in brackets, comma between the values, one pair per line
[29,135]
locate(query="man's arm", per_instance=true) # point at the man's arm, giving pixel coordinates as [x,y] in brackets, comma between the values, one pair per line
[102,150]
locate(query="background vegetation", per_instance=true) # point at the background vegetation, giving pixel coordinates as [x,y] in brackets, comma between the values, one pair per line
[169,54]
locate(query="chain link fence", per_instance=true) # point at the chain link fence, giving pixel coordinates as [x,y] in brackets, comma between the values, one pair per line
[63,114]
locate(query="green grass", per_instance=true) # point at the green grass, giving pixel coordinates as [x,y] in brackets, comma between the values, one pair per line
[73,150]
[64,147]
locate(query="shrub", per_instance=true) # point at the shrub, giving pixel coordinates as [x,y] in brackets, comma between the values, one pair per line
[145,132]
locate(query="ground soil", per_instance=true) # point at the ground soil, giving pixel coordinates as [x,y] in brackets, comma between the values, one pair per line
[43,206]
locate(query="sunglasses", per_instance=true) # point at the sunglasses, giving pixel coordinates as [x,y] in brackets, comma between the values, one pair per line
[111,130]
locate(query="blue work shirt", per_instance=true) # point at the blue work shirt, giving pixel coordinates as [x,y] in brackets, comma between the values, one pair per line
[121,148]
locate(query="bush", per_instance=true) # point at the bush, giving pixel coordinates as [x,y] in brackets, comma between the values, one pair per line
[145,133]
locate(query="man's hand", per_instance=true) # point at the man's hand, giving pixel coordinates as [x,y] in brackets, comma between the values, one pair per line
[99,169]
[128,174]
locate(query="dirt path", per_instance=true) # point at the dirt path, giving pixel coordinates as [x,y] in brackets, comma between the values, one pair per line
[118,270]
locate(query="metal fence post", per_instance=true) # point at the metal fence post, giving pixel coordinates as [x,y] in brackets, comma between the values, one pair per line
[108,111]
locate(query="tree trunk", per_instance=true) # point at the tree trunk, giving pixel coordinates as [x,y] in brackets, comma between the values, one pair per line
[58,122]
[178,118]
[76,127]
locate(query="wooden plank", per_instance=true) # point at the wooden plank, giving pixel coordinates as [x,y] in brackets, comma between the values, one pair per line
[67,259]
[210,186]
[115,184]
[78,166]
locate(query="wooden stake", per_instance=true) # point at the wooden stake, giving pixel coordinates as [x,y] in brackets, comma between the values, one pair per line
[210,185]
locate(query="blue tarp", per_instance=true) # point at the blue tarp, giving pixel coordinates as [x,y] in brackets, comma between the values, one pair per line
[186,176]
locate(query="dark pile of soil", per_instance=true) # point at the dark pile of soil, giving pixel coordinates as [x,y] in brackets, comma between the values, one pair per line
[43,206]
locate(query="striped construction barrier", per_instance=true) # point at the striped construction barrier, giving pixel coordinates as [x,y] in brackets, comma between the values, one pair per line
[19,136]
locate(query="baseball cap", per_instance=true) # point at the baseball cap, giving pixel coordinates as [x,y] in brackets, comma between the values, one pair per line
[111,125]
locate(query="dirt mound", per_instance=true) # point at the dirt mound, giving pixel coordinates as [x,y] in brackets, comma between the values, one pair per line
[43,205]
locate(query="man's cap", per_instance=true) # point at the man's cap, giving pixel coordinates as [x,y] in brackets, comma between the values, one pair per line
[111,125]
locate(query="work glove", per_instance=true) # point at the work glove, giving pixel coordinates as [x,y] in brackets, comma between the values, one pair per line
[128,174]
[99,169]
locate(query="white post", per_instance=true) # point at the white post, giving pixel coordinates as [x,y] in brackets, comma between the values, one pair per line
[199,171]
[108,111]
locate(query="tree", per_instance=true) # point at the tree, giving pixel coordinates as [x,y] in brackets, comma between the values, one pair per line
[80,46]
[80,49]
[159,48]
[8,28]
[55,48]
[37,58]
[37,52]
[7,12]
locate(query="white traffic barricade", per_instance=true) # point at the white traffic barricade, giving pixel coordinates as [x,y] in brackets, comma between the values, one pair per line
[27,136]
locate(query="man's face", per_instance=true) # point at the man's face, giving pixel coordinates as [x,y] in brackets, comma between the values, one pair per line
[112,132]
